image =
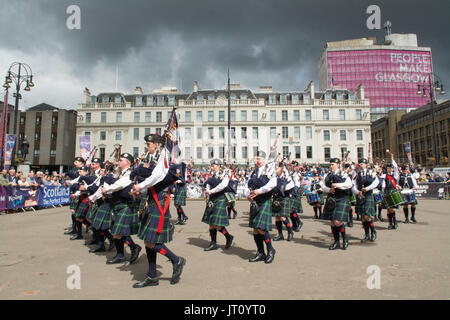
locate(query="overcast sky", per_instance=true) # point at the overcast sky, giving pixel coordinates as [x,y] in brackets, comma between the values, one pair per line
[156,43]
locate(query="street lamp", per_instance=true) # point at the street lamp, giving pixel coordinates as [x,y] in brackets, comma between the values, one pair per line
[18,78]
[430,88]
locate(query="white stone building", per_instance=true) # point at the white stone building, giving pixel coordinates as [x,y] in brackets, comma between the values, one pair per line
[313,126]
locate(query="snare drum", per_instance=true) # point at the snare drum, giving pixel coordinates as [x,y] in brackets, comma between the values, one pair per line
[230,198]
[409,195]
[313,198]
[394,199]
[352,200]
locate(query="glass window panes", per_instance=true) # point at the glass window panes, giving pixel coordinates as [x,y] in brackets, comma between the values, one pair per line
[210,116]
[244,152]
[296,132]
[327,154]
[200,98]
[136,133]
[243,115]
[221,133]
[159,116]
[199,116]
[343,135]
[296,115]
[283,99]
[255,115]
[272,99]
[149,100]
[187,133]
[199,153]
[273,115]
[117,99]
[233,115]
[285,151]
[146,131]
[199,133]
[326,135]
[103,117]
[211,133]
[105,99]
[137,117]
[308,132]
[138,101]
[87,133]
[298,154]
[359,135]
[341,114]
[309,152]
[255,132]
[326,114]
[148,117]
[118,135]
[160,100]
[187,116]
[102,135]
[360,151]
[306,99]
[187,153]
[284,132]
[294,99]
[210,152]
[273,132]
[255,151]
[88,117]
[118,116]
[358,114]
[244,133]
[308,115]
[221,116]
[135,152]
[171,100]
[284,115]
[221,152]
[233,133]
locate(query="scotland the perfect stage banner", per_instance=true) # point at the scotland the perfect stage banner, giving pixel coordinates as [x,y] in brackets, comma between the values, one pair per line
[52,196]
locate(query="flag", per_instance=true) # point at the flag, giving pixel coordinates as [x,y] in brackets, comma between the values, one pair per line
[274,149]
[173,138]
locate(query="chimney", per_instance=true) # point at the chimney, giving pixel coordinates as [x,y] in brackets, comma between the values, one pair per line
[195,86]
[138,90]
[86,96]
[360,92]
[265,89]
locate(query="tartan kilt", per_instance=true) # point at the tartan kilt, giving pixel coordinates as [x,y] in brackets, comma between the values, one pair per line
[285,208]
[263,219]
[91,212]
[368,208]
[180,197]
[340,212]
[125,220]
[296,204]
[148,228]
[102,219]
[74,203]
[80,212]
[220,216]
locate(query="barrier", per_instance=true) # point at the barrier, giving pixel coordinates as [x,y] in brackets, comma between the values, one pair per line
[23,197]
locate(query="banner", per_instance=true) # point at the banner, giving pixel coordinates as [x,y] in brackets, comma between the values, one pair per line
[52,196]
[408,151]
[430,190]
[16,196]
[9,146]
[2,198]
[85,147]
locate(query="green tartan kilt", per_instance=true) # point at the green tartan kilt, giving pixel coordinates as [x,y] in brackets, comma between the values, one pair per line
[368,208]
[74,203]
[91,212]
[340,212]
[125,220]
[148,228]
[102,219]
[285,208]
[296,204]
[180,196]
[220,216]
[81,210]
[263,219]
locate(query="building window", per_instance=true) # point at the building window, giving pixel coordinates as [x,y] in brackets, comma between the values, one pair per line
[187,133]
[233,133]
[285,151]
[221,152]
[255,115]
[243,133]
[171,100]
[87,133]
[272,99]
[244,152]
[255,151]
[149,100]
[221,116]
[255,132]
[308,132]
[37,136]
[233,152]
[233,115]
[243,115]
[343,135]
[294,99]
[102,135]
[296,115]
[284,115]
[105,99]
[309,152]
[341,114]
[118,135]
[284,132]
[210,152]
[358,114]
[296,132]
[118,116]
[283,99]
[359,135]
[273,115]
[308,115]
[273,132]
[199,133]
[138,101]
[210,98]
[102,154]
[146,131]
[306,99]
[22,119]
[148,117]
[326,135]
[199,115]
[326,115]
[38,120]
[54,120]
[327,154]
[117,99]
[221,133]
[53,136]
[187,152]
[343,152]
[160,100]
[159,116]
[211,133]
[36,152]
[52,153]
[360,152]
[199,99]
[137,117]
[199,153]
[298,154]
[103,117]
[135,133]
[210,116]
[135,152]
[187,116]
[158,131]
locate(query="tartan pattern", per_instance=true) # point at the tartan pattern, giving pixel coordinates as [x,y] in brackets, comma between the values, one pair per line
[285,208]
[74,203]
[263,220]
[81,209]
[180,196]
[125,220]
[340,212]
[296,204]
[368,208]
[148,228]
[220,216]
[102,219]
[91,212]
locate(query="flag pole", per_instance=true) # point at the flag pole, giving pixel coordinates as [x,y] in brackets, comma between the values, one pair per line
[229,119]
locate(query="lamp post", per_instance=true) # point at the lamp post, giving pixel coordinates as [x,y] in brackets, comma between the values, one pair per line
[431,88]
[19,77]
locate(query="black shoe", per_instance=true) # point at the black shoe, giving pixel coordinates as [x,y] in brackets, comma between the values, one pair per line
[290,236]
[98,249]
[212,246]
[229,241]
[320,217]
[344,243]
[350,224]
[70,231]
[270,256]
[234,215]
[115,260]
[373,236]
[381,219]
[76,237]
[413,220]
[178,222]
[91,243]
[278,238]
[185,218]
[406,221]
[177,270]
[366,238]
[316,216]
[391,226]
[335,245]
[258,257]
[299,226]
[147,282]
[135,253]
[395,225]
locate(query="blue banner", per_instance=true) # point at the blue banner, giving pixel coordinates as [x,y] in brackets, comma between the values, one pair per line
[52,196]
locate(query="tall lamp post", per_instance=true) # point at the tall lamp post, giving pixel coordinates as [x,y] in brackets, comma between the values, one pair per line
[430,89]
[19,73]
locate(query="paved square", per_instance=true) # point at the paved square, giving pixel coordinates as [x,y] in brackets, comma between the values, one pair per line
[414,261]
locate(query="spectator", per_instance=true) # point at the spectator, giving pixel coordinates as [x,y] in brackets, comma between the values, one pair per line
[439,178]
[31,180]
[4,178]
[23,182]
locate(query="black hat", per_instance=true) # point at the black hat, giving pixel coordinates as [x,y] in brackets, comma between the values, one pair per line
[97,160]
[363,160]
[128,156]
[404,166]
[79,159]
[152,137]
[216,161]
[261,154]
[335,160]
[84,168]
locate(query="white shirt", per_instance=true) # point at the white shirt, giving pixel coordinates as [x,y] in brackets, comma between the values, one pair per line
[343,185]
[264,189]
[372,186]
[123,182]
[222,185]
[158,173]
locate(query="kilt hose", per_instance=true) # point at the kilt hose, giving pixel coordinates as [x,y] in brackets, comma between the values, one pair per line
[368,208]
[180,196]
[125,220]
[220,216]
[285,208]
[149,225]
[340,212]
[102,219]
[263,219]
[296,204]
[83,206]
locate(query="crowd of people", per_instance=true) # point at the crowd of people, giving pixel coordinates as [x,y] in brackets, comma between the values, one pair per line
[33,179]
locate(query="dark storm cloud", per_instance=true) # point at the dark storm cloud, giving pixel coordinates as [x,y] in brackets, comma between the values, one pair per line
[158,43]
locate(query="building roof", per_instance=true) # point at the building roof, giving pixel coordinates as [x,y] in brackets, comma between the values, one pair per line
[42,107]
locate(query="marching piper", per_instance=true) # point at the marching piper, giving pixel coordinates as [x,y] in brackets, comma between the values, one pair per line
[408,184]
[71,181]
[295,199]
[337,184]
[389,187]
[316,187]
[180,200]
[281,195]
